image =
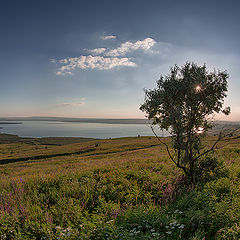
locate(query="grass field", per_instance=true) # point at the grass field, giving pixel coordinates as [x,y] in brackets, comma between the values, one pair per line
[126,188]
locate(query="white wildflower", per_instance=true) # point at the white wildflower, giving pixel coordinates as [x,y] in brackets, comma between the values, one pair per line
[181,226]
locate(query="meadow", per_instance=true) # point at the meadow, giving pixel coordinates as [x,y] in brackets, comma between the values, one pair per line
[125,188]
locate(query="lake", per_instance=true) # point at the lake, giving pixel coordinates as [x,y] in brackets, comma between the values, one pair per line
[77,129]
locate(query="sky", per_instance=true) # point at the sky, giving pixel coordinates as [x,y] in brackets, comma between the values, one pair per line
[92,59]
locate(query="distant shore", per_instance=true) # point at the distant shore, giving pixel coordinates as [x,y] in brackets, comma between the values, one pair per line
[17,120]
[9,122]
[83,120]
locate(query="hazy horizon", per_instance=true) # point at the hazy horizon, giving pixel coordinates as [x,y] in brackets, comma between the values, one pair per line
[92,59]
[114,120]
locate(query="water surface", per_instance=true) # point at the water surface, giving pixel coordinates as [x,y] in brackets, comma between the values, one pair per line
[76,129]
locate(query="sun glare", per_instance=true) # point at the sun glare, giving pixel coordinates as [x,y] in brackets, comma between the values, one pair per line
[200,130]
[198,88]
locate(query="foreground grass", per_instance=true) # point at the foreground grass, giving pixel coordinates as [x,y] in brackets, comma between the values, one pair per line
[122,189]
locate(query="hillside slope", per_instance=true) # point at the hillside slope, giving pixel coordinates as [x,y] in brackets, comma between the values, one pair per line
[124,188]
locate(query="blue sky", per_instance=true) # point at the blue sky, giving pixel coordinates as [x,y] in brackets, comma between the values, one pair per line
[93,58]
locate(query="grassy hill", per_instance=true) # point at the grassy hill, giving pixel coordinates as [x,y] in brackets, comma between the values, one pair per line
[126,188]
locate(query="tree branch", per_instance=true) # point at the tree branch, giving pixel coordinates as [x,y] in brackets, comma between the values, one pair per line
[159,139]
[169,154]
[220,137]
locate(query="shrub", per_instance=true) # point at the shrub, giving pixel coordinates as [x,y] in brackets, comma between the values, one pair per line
[210,168]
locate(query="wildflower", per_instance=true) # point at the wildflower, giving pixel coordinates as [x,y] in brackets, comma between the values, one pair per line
[110,221]
[155,234]
[181,226]
[58,228]
[3,236]
[169,232]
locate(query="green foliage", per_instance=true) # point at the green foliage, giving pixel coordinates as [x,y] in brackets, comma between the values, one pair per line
[140,196]
[181,104]
[87,203]
[209,168]
[184,94]
[232,232]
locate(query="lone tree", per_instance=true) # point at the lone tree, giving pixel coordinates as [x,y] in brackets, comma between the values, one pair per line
[181,104]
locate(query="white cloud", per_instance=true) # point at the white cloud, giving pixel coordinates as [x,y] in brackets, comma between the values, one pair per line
[126,47]
[72,104]
[61,73]
[62,61]
[108,37]
[105,58]
[92,62]
[97,50]
[52,60]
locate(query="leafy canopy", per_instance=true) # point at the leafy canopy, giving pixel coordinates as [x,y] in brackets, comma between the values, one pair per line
[182,103]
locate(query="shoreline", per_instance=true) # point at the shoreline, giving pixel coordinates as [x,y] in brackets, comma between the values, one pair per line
[10,123]
[77,120]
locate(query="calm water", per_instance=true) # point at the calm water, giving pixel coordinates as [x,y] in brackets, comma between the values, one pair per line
[77,129]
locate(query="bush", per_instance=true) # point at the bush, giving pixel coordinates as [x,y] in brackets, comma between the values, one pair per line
[210,168]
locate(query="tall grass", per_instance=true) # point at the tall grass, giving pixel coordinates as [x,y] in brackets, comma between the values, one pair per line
[119,191]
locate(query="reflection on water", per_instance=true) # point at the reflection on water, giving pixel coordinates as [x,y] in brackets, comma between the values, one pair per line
[76,129]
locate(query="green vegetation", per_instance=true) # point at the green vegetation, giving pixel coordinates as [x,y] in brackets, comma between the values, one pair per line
[124,188]
[182,104]
[9,138]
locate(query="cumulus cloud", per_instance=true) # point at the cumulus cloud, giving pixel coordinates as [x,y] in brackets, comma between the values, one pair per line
[106,58]
[126,47]
[92,62]
[108,37]
[97,50]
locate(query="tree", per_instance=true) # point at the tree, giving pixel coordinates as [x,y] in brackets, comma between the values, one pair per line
[181,104]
